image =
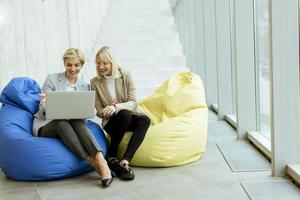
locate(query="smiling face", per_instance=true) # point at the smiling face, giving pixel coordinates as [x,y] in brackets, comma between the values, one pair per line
[73,67]
[104,68]
[106,63]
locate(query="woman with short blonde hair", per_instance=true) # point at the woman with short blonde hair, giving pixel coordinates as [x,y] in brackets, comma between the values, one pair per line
[74,133]
[74,53]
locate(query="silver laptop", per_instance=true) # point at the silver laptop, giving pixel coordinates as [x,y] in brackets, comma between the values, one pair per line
[70,105]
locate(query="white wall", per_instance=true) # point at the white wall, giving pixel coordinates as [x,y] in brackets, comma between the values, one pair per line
[35,33]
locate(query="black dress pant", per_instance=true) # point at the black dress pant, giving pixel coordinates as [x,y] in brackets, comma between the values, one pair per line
[123,121]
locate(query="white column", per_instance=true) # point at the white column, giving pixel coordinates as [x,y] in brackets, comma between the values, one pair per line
[285,97]
[233,55]
[224,57]
[192,36]
[245,67]
[210,45]
[200,41]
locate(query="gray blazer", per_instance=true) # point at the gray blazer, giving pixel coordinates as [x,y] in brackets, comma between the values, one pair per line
[53,82]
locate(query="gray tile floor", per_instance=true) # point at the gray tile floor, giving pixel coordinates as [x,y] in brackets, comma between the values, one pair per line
[208,179]
[242,156]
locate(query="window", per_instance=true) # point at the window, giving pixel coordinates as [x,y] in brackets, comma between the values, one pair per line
[262,45]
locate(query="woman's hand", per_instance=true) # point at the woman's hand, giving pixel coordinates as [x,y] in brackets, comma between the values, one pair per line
[109,111]
[114,102]
[43,98]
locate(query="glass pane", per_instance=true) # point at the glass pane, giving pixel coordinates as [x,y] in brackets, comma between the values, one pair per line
[262,66]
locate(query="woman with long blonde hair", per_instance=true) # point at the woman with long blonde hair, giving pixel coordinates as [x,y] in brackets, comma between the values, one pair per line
[117,106]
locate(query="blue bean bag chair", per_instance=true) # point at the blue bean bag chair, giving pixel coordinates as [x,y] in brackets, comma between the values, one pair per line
[24,157]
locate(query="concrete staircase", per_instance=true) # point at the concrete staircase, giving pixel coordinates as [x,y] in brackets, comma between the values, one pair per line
[144,37]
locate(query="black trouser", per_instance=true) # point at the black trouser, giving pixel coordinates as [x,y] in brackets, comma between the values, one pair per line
[75,135]
[123,121]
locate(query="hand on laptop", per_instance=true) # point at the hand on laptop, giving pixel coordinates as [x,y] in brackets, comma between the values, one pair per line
[43,98]
[109,110]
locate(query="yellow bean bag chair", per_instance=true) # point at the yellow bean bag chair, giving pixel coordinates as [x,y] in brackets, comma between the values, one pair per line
[178,130]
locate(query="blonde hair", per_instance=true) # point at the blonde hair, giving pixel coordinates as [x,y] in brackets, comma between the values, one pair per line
[74,53]
[105,54]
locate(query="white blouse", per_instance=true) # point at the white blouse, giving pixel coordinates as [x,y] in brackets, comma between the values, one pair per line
[111,85]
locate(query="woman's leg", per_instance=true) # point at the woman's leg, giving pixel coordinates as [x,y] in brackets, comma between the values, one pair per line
[116,128]
[89,142]
[139,125]
[64,130]
[86,137]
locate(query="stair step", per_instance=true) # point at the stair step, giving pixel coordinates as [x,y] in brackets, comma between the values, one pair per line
[162,38]
[147,48]
[162,61]
[143,92]
[165,74]
[172,61]
[124,33]
[146,81]
[136,7]
[138,20]
[142,72]
[136,60]
[142,44]
[137,12]
[166,12]
[140,28]
[139,2]
[149,52]
[121,43]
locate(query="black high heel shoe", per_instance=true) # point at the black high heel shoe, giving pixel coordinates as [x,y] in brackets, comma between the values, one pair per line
[107,182]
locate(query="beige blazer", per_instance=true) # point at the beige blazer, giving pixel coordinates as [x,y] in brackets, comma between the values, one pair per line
[125,93]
